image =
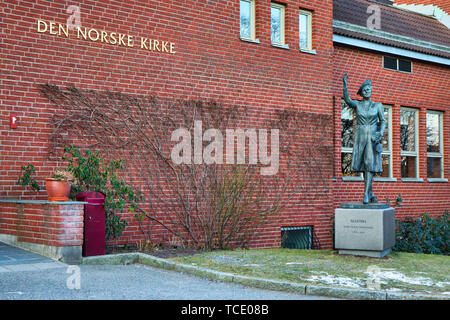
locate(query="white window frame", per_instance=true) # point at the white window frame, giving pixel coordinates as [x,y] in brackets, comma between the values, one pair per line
[282,8]
[415,153]
[252,22]
[441,147]
[308,14]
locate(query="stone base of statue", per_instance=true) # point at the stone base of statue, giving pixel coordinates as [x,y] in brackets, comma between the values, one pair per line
[365,229]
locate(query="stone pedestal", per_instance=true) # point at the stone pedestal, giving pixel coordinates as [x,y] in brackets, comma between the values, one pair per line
[365,229]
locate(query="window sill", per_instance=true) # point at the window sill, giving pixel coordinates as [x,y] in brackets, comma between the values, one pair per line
[281,46]
[412,180]
[436,180]
[352,179]
[384,179]
[308,51]
[250,40]
[379,179]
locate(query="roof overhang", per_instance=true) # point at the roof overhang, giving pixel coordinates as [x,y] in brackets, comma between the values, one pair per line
[354,35]
[389,49]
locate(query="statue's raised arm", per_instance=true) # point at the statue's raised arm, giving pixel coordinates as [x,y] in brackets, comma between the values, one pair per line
[347,98]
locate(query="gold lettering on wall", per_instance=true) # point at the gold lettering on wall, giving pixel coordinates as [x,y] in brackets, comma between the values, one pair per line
[144,43]
[80,32]
[112,38]
[52,28]
[64,29]
[41,26]
[104,36]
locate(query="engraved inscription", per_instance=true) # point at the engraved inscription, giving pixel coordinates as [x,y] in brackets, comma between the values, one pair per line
[357,226]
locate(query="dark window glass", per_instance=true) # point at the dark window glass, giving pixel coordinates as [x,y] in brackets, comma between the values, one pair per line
[433,167]
[385,160]
[390,63]
[404,65]
[408,167]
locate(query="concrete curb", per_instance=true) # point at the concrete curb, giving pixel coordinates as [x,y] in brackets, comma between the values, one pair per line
[313,290]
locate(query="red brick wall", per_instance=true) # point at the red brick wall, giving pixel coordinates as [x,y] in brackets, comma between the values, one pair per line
[427,87]
[210,62]
[443,4]
[46,224]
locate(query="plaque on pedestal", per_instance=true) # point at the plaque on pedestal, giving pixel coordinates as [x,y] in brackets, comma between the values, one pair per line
[365,229]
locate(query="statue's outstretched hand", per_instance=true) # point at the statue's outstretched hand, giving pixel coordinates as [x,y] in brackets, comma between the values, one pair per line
[345,79]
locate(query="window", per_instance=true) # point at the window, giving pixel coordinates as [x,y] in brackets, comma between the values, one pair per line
[404,65]
[277,24]
[297,237]
[247,20]
[390,63]
[434,145]
[386,155]
[409,142]
[305,30]
[347,129]
[397,64]
[348,124]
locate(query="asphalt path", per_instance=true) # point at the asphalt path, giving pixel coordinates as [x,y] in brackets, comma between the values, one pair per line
[57,281]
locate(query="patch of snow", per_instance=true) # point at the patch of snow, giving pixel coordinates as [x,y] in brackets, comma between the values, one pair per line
[227,259]
[390,274]
[332,280]
[394,290]
[380,277]
[397,276]
[442,284]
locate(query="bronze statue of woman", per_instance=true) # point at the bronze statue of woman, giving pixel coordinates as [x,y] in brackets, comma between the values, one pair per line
[370,125]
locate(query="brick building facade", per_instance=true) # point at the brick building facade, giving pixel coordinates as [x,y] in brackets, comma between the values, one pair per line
[421,90]
[198,50]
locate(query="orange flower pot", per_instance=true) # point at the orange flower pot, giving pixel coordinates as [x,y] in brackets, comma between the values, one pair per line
[57,190]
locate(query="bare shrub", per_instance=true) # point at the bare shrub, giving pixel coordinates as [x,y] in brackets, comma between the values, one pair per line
[204,205]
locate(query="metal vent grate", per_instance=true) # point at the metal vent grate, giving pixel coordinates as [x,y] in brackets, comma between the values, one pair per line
[297,237]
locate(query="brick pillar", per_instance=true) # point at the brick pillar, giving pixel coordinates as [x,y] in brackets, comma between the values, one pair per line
[53,229]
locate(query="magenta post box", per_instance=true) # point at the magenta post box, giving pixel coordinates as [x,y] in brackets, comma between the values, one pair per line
[94,223]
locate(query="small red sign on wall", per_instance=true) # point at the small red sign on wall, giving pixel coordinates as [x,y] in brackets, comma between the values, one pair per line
[13,121]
